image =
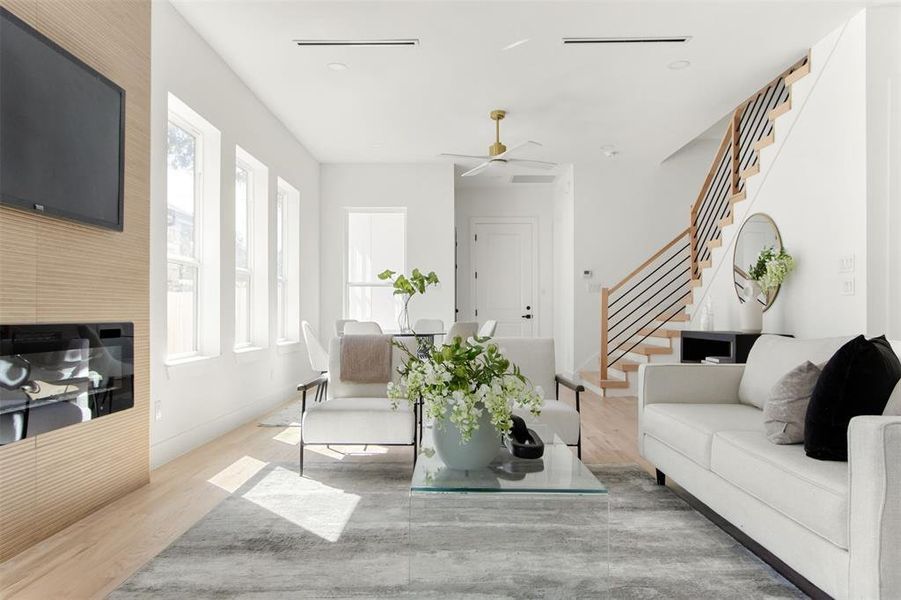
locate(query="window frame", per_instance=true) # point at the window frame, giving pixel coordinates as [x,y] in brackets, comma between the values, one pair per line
[348,284]
[196,261]
[246,273]
[287,280]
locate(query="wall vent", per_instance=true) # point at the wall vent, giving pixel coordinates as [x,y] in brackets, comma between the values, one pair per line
[672,39]
[358,43]
[533,179]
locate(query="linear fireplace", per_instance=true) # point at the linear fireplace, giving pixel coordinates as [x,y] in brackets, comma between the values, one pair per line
[52,376]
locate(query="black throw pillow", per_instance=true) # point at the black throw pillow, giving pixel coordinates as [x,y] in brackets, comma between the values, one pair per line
[857,380]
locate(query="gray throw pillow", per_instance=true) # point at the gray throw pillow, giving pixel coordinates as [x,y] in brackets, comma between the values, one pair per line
[893,408]
[786,408]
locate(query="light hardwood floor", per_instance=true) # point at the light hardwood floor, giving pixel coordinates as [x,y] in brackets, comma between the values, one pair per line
[92,557]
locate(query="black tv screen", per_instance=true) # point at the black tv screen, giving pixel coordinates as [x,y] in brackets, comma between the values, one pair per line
[62,130]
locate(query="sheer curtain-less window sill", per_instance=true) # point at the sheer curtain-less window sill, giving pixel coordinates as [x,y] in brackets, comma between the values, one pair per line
[246,354]
[288,346]
[179,361]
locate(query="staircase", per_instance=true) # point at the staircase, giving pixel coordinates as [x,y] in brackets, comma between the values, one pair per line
[643,314]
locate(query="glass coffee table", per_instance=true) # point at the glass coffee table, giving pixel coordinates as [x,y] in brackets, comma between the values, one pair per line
[535,528]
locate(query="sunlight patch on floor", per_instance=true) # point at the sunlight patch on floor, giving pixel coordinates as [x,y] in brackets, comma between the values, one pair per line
[237,474]
[318,508]
[289,435]
[338,452]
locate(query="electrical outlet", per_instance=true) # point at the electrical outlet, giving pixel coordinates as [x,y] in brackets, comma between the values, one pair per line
[158,410]
[846,264]
[848,286]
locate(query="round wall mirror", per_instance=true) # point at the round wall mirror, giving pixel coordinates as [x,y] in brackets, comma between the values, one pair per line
[758,232]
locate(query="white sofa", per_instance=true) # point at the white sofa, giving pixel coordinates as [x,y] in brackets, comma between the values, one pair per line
[836,524]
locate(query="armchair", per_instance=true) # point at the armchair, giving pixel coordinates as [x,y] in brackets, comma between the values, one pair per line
[535,358]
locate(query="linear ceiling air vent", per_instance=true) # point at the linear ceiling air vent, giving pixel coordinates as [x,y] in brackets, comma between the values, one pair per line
[533,179]
[674,39]
[358,43]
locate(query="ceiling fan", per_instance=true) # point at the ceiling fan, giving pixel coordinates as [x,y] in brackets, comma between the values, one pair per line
[499,155]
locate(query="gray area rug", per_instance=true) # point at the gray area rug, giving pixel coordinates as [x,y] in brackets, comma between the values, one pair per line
[351,531]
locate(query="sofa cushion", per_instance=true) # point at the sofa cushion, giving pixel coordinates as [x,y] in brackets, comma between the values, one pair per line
[689,428]
[558,416]
[786,408]
[772,356]
[810,492]
[857,380]
[358,420]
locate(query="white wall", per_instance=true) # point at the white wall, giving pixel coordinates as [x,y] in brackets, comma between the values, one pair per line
[884,170]
[201,400]
[512,200]
[564,270]
[813,184]
[624,211]
[427,192]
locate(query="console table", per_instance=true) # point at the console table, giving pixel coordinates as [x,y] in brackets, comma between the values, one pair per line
[730,346]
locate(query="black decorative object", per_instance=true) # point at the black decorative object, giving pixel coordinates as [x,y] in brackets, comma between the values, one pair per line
[857,380]
[524,442]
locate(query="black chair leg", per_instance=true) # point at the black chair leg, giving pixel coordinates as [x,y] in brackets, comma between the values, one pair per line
[661,477]
[301,454]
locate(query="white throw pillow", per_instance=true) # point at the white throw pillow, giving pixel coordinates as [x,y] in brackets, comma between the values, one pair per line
[893,408]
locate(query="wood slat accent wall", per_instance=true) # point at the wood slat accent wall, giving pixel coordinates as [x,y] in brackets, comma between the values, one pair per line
[58,271]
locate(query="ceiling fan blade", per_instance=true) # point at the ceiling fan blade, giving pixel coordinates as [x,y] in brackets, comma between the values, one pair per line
[532,164]
[470,156]
[477,170]
[517,147]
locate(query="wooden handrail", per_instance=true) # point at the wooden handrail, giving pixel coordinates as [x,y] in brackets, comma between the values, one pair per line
[656,255]
[727,141]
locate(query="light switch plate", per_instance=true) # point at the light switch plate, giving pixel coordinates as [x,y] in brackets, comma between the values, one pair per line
[158,410]
[848,286]
[846,264]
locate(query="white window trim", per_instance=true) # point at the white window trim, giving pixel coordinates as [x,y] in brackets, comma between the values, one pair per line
[349,284]
[259,204]
[206,239]
[290,278]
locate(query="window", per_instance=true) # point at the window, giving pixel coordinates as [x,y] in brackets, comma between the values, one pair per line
[251,252]
[287,219]
[192,236]
[376,240]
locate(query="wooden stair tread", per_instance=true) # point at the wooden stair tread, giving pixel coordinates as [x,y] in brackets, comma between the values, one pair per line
[625,365]
[705,264]
[780,110]
[715,243]
[648,349]
[750,171]
[660,333]
[736,198]
[764,142]
[696,283]
[726,221]
[797,74]
[679,317]
[608,384]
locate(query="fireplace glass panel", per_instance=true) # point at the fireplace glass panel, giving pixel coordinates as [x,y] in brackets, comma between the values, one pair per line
[52,376]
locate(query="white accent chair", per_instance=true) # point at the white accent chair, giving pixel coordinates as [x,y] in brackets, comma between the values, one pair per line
[836,524]
[340,324]
[317,354]
[428,326]
[357,413]
[488,328]
[461,329]
[362,328]
[536,360]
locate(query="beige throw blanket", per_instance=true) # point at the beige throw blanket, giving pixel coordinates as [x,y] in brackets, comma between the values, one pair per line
[366,358]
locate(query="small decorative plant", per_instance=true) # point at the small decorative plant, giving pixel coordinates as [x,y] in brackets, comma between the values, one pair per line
[772,268]
[407,287]
[463,382]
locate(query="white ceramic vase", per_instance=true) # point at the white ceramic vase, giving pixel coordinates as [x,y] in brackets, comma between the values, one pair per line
[477,453]
[750,312]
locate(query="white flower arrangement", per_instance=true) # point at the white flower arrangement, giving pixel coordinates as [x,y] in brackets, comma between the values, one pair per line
[461,380]
[771,268]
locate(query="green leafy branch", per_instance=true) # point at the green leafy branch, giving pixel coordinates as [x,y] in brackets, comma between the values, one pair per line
[416,283]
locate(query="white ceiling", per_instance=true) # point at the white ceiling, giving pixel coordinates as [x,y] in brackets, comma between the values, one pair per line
[410,104]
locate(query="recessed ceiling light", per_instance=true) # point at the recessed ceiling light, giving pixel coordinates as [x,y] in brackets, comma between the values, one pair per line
[676,65]
[337,66]
[516,44]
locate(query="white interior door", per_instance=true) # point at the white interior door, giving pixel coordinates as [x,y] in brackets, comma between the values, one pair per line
[504,277]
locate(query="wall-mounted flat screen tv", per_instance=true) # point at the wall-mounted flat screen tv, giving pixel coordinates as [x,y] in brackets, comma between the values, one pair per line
[62,131]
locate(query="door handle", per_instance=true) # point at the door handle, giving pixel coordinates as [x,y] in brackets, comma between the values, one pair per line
[527,316]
